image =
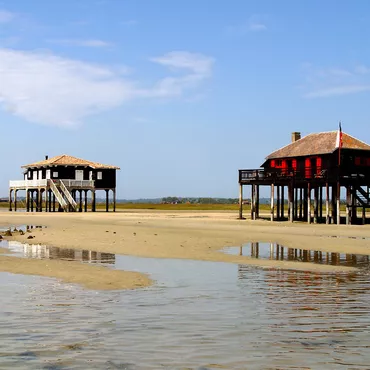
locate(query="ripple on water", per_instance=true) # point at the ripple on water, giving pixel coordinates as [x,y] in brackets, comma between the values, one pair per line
[201,315]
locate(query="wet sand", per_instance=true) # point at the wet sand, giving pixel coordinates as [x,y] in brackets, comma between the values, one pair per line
[180,235]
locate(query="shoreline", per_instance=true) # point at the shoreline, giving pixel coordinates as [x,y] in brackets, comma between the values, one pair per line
[197,235]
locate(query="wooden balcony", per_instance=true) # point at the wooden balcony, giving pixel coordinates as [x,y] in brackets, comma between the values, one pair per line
[43,183]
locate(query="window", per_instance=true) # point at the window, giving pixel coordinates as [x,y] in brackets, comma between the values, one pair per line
[279,163]
[29,175]
[55,174]
[100,175]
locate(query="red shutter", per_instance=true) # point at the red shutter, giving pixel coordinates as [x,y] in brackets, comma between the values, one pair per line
[284,165]
[307,165]
[357,161]
[318,165]
[294,164]
[272,163]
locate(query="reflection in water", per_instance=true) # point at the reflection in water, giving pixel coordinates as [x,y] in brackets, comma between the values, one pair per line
[43,251]
[200,315]
[275,251]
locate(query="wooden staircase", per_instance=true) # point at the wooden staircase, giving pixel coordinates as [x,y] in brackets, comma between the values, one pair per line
[362,196]
[63,196]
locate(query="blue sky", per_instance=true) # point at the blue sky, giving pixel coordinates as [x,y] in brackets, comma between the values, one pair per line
[179,94]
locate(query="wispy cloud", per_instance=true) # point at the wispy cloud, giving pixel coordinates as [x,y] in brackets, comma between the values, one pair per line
[255,23]
[47,89]
[6,16]
[90,43]
[334,81]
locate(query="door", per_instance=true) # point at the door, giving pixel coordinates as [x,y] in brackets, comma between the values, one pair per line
[48,175]
[79,175]
[40,174]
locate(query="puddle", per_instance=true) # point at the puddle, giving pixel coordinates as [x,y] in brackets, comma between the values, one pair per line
[25,250]
[273,251]
[200,315]
[24,228]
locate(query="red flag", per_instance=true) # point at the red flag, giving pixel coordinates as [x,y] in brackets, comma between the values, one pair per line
[339,141]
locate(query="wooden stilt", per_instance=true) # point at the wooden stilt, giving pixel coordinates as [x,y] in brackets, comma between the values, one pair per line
[240,201]
[348,205]
[80,206]
[291,202]
[315,204]
[363,215]
[93,201]
[309,203]
[278,202]
[338,203]
[327,204]
[39,200]
[53,202]
[295,215]
[252,202]
[272,203]
[333,204]
[320,203]
[257,201]
[10,199]
[27,200]
[15,200]
[114,200]
[86,200]
[31,193]
[300,203]
[353,210]
[107,200]
[282,202]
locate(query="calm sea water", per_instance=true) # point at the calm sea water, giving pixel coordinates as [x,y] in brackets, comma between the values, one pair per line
[199,315]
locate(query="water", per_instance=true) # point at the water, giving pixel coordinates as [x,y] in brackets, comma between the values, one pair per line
[275,251]
[199,315]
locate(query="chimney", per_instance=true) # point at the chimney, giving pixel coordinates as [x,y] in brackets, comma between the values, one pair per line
[46,157]
[295,136]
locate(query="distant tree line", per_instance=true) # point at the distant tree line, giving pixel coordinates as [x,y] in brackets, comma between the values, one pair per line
[180,200]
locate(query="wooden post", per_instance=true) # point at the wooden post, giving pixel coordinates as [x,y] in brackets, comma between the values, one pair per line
[291,202]
[39,198]
[348,205]
[252,202]
[333,204]
[93,201]
[80,208]
[315,204]
[295,214]
[31,200]
[240,200]
[327,204]
[15,200]
[106,200]
[46,199]
[50,199]
[278,202]
[282,202]
[272,203]
[86,200]
[363,215]
[338,203]
[321,202]
[353,210]
[309,203]
[300,203]
[53,202]
[27,200]
[114,200]
[10,199]
[257,201]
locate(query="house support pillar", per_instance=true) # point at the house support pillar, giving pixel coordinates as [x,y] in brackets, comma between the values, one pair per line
[320,203]
[291,202]
[240,201]
[338,203]
[315,204]
[252,202]
[10,199]
[333,204]
[114,200]
[282,202]
[80,206]
[363,215]
[278,202]
[272,203]
[106,200]
[93,201]
[309,203]
[85,200]
[327,204]
[301,203]
[348,206]
[257,209]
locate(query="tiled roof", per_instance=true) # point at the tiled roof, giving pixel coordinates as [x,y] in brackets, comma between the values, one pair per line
[68,160]
[318,143]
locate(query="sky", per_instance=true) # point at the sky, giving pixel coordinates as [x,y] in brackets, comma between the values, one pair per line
[178,94]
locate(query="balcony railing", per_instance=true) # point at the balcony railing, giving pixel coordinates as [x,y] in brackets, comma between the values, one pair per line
[44,183]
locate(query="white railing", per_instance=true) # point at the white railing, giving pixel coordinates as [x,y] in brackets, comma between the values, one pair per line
[27,183]
[67,194]
[76,183]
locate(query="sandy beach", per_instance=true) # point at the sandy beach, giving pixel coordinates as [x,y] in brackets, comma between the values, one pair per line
[178,235]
